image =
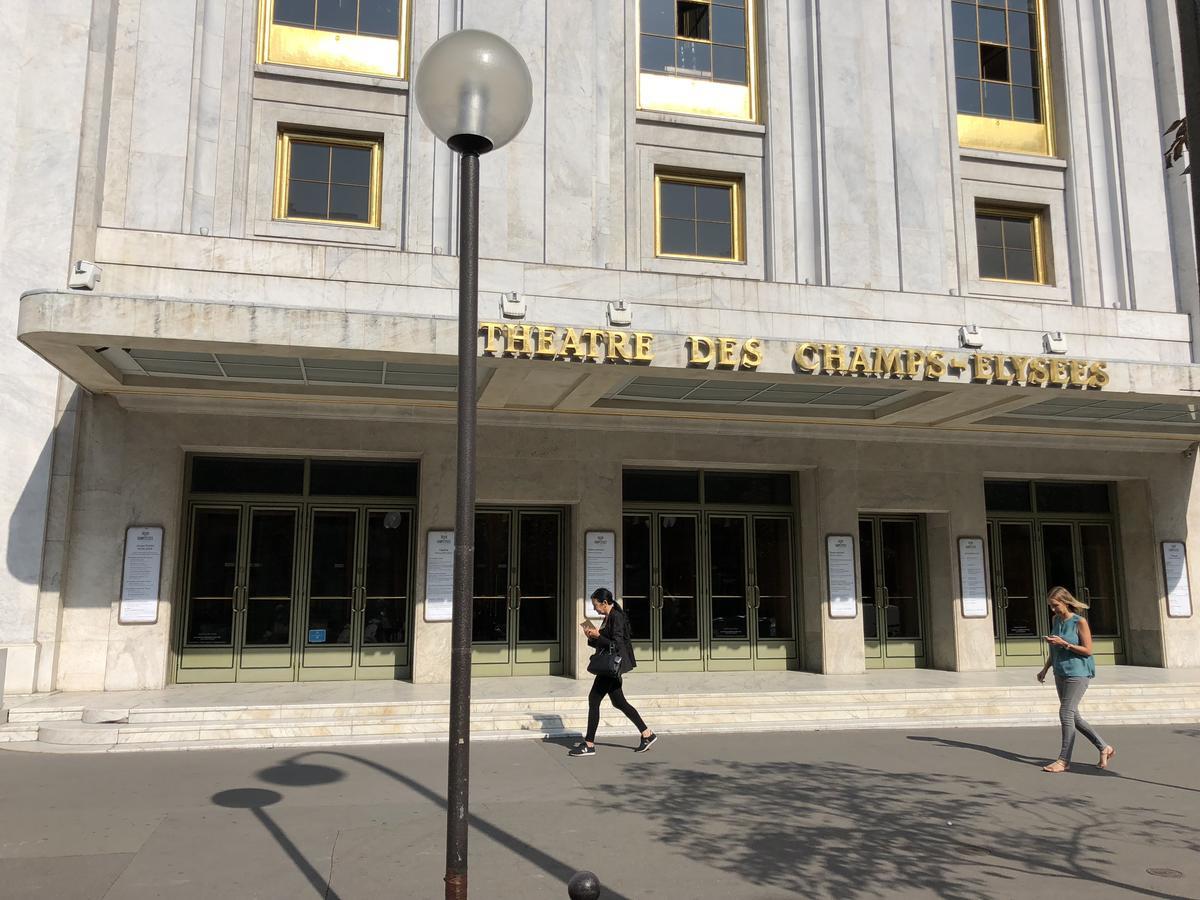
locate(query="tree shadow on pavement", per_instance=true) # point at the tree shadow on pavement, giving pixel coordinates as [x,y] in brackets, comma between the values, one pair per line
[842,830]
[1077,768]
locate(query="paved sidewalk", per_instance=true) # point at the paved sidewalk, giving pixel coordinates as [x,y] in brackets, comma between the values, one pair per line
[949,813]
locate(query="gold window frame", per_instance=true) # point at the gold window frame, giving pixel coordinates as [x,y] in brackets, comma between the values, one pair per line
[283,166]
[658,92]
[737,214]
[1008,135]
[335,51]
[1041,258]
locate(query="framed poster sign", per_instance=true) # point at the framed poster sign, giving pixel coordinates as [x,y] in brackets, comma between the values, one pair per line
[843,577]
[601,567]
[1175,574]
[140,575]
[972,573]
[439,576]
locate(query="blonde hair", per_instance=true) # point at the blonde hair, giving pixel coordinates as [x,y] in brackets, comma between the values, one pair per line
[1064,596]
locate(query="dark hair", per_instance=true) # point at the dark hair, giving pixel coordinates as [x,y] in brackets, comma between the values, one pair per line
[603,595]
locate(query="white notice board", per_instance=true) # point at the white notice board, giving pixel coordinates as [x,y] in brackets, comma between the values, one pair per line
[439,577]
[601,568]
[843,577]
[140,575]
[972,574]
[1175,573]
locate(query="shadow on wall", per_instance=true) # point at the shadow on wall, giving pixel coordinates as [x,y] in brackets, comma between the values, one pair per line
[832,830]
[27,523]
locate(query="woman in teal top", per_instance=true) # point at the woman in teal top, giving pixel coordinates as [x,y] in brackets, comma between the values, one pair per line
[1071,657]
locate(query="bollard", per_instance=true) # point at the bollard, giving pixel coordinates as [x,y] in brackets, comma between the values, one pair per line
[583,886]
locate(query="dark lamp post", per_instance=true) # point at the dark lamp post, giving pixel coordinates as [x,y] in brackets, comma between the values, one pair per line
[474,92]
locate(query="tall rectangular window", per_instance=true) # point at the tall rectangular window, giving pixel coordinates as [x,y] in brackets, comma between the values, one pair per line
[1002,75]
[325,179]
[698,56]
[1011,244]
[368,37]
[698,217]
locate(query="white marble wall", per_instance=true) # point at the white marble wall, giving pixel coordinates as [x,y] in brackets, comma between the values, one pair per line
[43,54]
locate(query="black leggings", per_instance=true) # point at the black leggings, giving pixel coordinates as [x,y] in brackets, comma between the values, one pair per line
[608,686]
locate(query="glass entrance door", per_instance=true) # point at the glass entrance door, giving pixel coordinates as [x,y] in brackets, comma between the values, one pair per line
[358,594]
[517,613]
[239,597]
[892,592]
[1020,608]
[1081,557]
[737,616]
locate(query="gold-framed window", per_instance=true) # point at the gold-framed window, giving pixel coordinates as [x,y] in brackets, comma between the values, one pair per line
[1011,241]
[698,57]
[1002,75]
[329,180]
[698,217]
[366,37]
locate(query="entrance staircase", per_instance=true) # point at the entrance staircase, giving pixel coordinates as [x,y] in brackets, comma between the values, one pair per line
[198,717]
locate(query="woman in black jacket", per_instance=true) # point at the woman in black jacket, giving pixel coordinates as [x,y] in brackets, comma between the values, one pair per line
[614,632]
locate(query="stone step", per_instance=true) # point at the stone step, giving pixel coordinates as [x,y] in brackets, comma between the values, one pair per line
[618,729]
[726,717]
[250,712]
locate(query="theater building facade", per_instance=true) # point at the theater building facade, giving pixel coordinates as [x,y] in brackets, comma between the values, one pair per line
[830,336]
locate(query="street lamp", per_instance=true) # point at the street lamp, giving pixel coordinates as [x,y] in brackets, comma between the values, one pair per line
[474,92]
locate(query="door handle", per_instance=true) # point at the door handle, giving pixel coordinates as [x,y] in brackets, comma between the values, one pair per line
[1087,596]
[887,599]
[1004,598]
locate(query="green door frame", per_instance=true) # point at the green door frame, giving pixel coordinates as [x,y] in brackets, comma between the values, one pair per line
[1108,649]
[512,656]
[882,652]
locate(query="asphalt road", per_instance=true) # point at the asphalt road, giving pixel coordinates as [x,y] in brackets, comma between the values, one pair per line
[947,813]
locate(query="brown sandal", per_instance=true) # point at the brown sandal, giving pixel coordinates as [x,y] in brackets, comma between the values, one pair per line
[1056,767]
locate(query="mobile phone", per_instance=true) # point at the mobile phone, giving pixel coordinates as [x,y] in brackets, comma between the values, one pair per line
[585,624]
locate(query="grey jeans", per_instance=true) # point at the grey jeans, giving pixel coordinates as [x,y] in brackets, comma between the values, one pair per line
[1070,692]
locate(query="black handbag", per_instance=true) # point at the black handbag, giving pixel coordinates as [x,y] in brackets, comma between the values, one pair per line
[606,661]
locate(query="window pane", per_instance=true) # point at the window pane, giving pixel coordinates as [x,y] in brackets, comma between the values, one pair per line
[350,203]
[658,486]
[994,62]
[381,17]
[310,161]
[337,15]
[231,475]
[692,20]
[1025,105]
[969,102]
[679,236]
[991,262]
[351,165]
[308,200]
[658,17]
[966,59]
[350,478]
[773,489]
[295,12]
[1028,6]
[1007,496]
[694,58]
[729,26]
[1021,29]
[715,239]
[997,100]
[992,27]
[965,21]
[729,64]
[1072,498]
[997,3]
[1021,266]
[989,231]
[676,200]
[738,4]
[1018,234]
[1023,67]
[658,54]
[713,204]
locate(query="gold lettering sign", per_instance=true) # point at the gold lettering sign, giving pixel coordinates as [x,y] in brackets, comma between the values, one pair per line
[912,364]
[554,342]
